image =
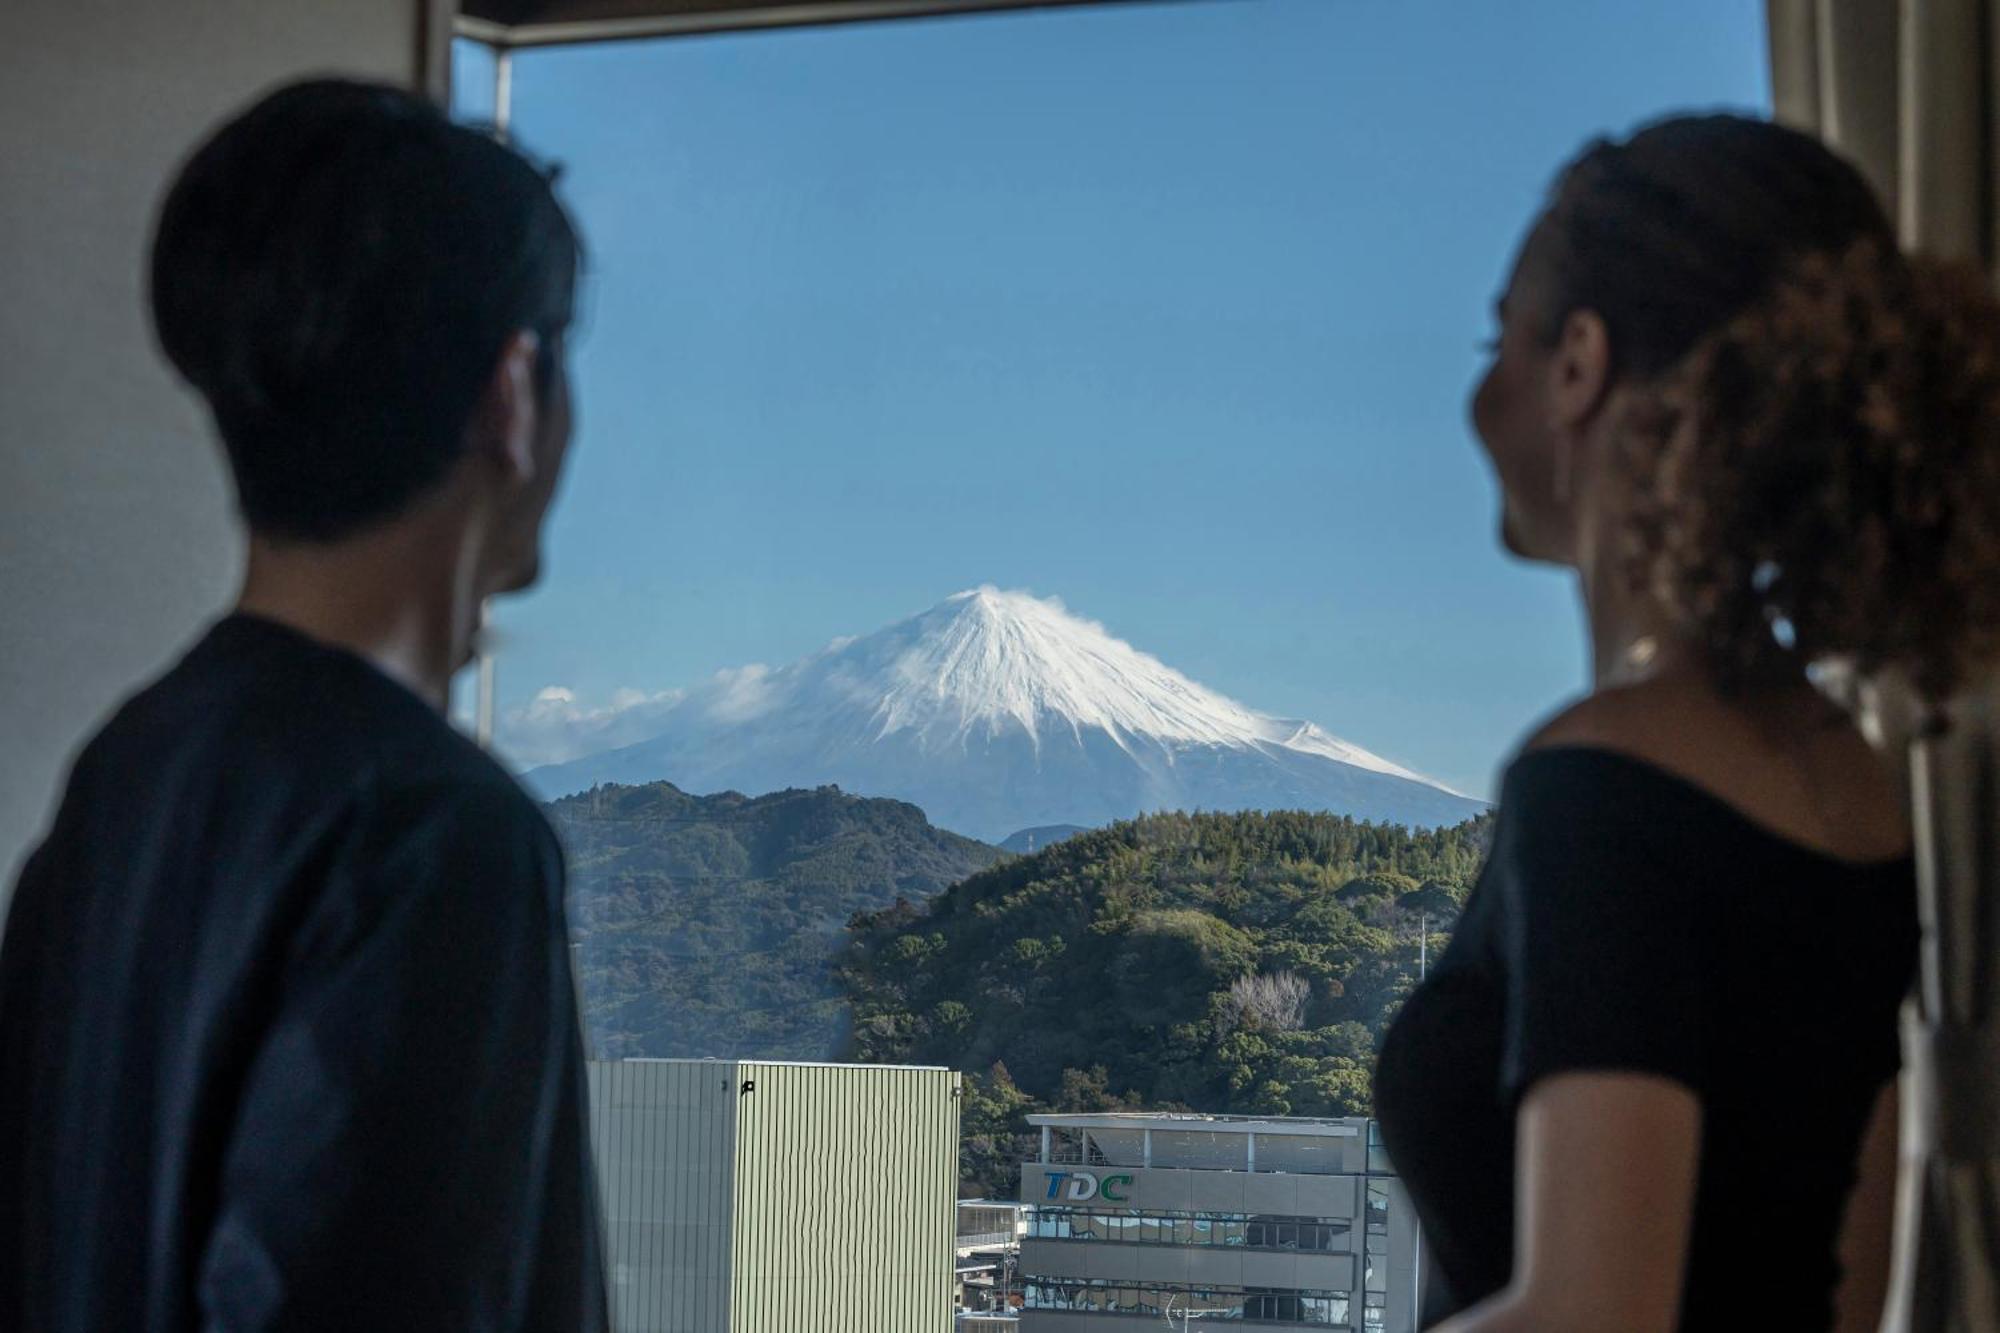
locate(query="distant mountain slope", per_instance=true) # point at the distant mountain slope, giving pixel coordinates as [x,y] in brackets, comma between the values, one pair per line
[704,925]
[997,711]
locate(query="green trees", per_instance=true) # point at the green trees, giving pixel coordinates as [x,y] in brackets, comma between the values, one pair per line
[1217,962]
[707,925]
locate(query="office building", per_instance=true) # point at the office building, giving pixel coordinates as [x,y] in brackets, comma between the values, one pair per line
[759,1197]
[989,1251]
[1283,1223]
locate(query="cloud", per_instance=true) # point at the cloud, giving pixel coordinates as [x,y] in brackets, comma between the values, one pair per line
[555,726]
[740,693]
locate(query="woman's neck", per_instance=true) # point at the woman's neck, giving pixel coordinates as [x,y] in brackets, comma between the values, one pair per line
[1631,638]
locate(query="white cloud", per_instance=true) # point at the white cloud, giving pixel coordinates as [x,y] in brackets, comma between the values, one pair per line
[740,693]
[555,726]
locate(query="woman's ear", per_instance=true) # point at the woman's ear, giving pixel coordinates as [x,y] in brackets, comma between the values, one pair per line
[1579,371]
[509,413]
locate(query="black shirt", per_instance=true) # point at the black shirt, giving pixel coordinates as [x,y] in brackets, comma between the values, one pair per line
[287,1031]
[1629,920]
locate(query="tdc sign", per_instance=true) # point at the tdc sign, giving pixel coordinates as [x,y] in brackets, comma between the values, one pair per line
[1081,1186]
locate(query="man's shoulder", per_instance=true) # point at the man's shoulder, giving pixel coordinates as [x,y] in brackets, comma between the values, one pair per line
[467,793]
[274,726]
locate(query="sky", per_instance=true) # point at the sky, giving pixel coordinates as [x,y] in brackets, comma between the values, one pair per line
[1167,310]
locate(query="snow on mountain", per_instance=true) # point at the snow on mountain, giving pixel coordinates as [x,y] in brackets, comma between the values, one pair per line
[995,711]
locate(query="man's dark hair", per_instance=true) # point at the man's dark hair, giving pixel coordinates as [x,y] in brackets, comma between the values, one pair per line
[336,271]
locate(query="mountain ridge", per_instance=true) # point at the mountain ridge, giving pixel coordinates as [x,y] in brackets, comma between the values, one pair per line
[996,711]
[706,925]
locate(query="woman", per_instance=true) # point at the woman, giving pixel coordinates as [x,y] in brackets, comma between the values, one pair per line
[1650,1084]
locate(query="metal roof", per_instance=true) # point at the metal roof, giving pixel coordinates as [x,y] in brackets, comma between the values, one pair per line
[1310,1126]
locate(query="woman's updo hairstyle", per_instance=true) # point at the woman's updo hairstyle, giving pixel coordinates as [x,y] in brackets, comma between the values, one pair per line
[1812,438]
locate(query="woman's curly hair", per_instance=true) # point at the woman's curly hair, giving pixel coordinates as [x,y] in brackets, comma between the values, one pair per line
[1820,478]
[1811,443]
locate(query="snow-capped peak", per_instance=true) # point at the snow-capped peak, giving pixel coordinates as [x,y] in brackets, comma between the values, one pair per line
[985,660]
[993,711]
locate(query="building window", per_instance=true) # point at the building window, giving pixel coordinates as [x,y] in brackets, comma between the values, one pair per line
[1252,1305]
[1199,1150]
[1378,1156]
[1225,1230]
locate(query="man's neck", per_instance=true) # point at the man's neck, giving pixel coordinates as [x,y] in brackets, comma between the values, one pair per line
[403,597]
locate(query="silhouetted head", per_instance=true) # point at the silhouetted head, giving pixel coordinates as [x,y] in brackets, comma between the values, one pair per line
[1719,379]
[374,303]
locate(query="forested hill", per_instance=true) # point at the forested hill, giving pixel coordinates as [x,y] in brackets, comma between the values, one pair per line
[706,925]
[1217,962]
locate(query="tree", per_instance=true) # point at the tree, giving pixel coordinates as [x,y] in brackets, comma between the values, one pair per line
[994,1137]
[1276,1001]
[1218,962]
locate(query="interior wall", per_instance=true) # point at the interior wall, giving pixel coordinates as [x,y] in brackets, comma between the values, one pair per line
[117,541]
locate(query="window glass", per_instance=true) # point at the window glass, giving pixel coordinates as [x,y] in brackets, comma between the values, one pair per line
[1155,357]
[1303,1153]
[1171,339]
[1200,1150]
[1378,1207]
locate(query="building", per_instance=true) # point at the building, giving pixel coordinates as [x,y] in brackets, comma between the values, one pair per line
[756,1197]
[988,1246]
[991,1224]
[974,1321]
[1284,1223]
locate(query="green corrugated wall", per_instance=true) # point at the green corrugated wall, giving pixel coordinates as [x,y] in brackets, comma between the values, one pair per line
[846,1190]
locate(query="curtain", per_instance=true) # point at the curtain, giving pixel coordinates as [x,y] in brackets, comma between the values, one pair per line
[1907,88]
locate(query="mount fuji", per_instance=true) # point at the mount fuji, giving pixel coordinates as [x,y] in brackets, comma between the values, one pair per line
[996,711]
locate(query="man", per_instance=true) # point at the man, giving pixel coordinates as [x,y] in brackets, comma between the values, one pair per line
[287,1027]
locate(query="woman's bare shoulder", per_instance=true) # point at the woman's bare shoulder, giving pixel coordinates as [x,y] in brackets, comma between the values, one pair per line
[1813,780]
[1652,720]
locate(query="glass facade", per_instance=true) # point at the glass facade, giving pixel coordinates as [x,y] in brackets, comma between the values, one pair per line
[1268,1305]
[1066,1146]
[1348,1274]
[1201,1150]
[1135,1226]
[1378,1207]
[1378,1156]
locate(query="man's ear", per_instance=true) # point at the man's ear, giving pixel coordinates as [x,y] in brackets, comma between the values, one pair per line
[1579,370]
[509,413]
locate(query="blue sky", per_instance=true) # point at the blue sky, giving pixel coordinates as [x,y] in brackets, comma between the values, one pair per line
[1167,310]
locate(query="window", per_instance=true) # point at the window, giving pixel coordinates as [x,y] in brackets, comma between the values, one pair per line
[1177,331]
[1378,1207]
[928,368]
[1310,1154]
[1066,1146]
[1378,1156]
[1236,1230]
[1202,1150]
[1249,1305]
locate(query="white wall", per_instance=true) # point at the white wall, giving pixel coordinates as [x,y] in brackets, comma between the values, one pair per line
[116,535]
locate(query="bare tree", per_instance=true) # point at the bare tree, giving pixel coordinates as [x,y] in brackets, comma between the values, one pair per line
[1275,1001]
